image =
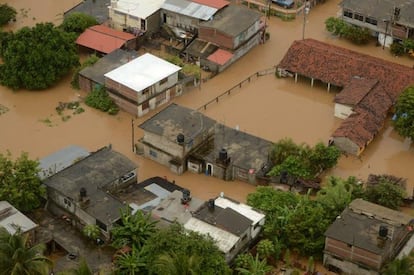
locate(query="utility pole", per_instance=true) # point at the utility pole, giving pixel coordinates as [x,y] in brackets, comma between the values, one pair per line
[133,135]
[305,11]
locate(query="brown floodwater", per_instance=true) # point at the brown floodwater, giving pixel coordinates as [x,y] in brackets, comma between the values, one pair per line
[268,107]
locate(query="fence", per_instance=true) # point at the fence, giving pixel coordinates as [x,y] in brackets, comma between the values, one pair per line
[254,76]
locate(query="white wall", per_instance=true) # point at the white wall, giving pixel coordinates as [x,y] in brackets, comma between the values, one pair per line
[342,111]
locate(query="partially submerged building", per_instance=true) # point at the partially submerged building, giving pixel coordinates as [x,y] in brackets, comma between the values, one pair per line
[370,86]
[184,139]
[143,84]
[365,237]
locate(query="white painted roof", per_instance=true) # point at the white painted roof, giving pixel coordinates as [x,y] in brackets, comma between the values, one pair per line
[142,72]
[139,8]
[224,240]
[12,219]
[190,9]
[240,208]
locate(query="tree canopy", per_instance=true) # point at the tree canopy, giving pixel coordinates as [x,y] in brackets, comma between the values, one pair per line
[78,22]
[385,193]
[404,113]
[36,58]
[7,14]
[19,182]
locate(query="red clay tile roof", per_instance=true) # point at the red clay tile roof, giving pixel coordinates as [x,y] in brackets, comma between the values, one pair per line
[217,4]
[355,91]
[220,57]
[338,66]
[103,39]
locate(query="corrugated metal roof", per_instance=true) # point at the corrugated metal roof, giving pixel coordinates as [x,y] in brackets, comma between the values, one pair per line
[218,4]
[190,9]
[142,72]
[220,57]
[139,8]
[103,39]
[12,219]
[224,240]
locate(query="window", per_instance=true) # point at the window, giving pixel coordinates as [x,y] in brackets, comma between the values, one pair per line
[163,81]
[145,92]
[101,225]
[359,17]
[153,153]
[371,21]
[143,25]
[67,202]
[348,13]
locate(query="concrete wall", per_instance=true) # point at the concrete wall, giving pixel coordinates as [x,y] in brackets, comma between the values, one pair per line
[61,200]
[121,21]
[85,84]
[354,254]
[180,21]
[342,111]
[164,144]
[124,104]
[346,145]
[246,35]
[212,35]
[346,267]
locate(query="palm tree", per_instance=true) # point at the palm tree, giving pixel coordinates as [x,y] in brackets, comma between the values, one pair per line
[178,264]
[16,257]
[255,267]
[131,263]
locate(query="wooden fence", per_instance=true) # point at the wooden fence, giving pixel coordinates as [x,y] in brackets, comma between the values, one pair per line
[239,85]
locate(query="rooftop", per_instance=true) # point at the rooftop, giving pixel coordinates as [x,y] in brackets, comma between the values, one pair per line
[103,39]
[359,224]
[138,8]
[233,20]
[13,220]
[245,210]
[106,64]
[96,8]
[188,8]
[355,90]
[218,4]
[383,9]
[220,56]
[94,173]
[176,119]
[142,72]
[61,159]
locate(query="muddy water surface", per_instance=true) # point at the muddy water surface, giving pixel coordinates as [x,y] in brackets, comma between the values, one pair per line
[269,107]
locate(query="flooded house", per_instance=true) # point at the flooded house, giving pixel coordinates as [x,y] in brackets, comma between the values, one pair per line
[103,40]
[185,139]
[388,20]
[143,84]
[365,237]
[82,191]
[233,225]
[368,86]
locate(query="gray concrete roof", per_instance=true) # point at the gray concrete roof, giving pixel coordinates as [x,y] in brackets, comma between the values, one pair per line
[94,173]
[61,159]
[359,224]
[245,150]
[383,9]
[233,20]
[95,8]
[106,64]
[176,119]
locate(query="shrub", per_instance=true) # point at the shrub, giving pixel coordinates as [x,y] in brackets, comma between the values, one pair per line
[99,99]
[397,49]
[355,34]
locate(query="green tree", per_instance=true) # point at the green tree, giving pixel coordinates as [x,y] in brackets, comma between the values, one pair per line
[178,263]
[386,194]
[19,182]
[99,99]
[323,157]
[265,249]
[134,231]
[16,257]
[336,26]
[82,269]
[91,231]
[403,266]
[282,149]
[78,22]
[176,239]
[36,58]
[404,113]
[7,14]
[131,263]
[255,266]
[295,166]
[355,34]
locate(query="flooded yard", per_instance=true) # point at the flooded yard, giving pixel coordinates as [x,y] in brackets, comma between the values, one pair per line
[269,107]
